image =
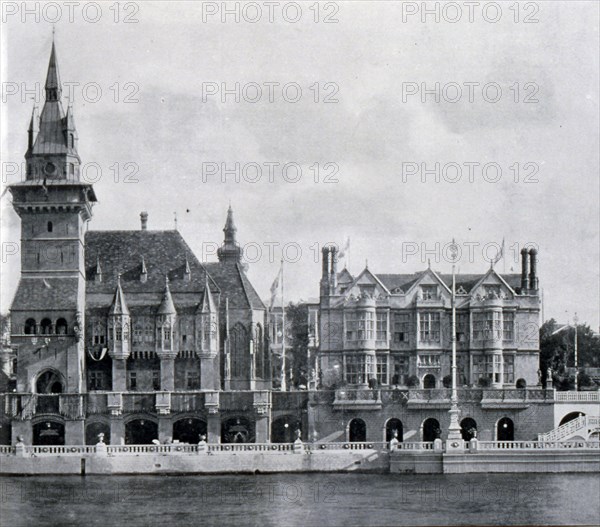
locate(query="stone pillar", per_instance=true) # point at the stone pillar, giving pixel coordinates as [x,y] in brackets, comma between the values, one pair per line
[23,429]
[262,429]
[165,429]
[119,375]
[117,431]
[262,407]
[213,427]
[167,374]
[75,432]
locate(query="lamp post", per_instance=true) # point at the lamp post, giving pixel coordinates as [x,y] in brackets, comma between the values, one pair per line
[455,440]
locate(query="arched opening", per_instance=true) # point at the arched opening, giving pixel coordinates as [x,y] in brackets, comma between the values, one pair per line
[468,428]
[46,326]
[49,381]
[30,327]
[283,429]
[570,417]
[61,326]
[429,381]
[393,427]
[140,432]
[431,430]
[189,430]
[357,431]
[237,430]
[5,432]
[92,430]
[50,226]
[521,384]
[48,433]
[505,430]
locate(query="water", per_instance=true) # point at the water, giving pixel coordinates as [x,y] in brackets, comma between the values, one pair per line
[301,500]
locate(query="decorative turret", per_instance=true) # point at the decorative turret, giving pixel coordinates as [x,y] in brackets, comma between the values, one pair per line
[230,251]
[166,319]
[143,272]
[119,321]
[208,325]
[98,271]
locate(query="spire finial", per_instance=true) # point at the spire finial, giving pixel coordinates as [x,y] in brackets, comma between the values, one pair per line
[175,219]
[366,263]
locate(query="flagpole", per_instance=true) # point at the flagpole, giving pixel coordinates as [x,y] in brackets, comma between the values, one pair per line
[283,383]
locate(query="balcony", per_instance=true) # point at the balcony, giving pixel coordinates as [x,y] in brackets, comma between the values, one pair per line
[357,400]
[428,399]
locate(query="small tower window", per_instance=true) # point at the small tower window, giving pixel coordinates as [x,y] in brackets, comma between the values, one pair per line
[30,327]
[61,326]
[50,226]
[71,141]
[72,169]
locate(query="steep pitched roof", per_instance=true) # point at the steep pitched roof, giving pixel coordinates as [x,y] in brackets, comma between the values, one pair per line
[234,285]
[127,252]
[45,294]
[119,305]
[167,307]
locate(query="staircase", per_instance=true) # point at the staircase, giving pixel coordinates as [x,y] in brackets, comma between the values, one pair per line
[579,426]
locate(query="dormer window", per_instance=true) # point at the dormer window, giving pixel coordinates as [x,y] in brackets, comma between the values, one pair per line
[429,292]
[492,290]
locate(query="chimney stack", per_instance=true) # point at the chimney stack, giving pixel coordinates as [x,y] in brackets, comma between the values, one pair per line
[524,270]
[333,270]
[144,219]
[325,272]
[533,280]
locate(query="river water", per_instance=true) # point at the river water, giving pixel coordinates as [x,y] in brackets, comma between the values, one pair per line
[301,500]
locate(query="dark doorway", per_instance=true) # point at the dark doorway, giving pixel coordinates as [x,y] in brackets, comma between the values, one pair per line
[429,382]
[48,433]
[468,428]
[393,426]
[505,430]
[93,430]
[283,429]
[431,430]
[357,431]
[237,430]
[189,430]
[140,432]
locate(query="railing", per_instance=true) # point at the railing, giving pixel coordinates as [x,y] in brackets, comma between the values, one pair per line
[139,402]
[429,395]
[419,445]
[187,402]
[288,400]
[579,397]
[7,450]
[60,450]
[389,396]
[357,395]
[537,445]
[565,430]
[96,403]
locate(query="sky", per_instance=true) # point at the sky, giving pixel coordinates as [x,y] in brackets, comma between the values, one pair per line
[397,130]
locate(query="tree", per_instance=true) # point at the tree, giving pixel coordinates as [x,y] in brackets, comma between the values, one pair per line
[558,351]
[447,381]
[296,321]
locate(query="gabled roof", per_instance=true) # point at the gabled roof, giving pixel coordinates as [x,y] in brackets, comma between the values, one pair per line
[492,272]
[127,252]
[344,277]
[234,285]
[46,294]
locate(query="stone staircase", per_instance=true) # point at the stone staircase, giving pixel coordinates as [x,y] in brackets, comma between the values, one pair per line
[580,426]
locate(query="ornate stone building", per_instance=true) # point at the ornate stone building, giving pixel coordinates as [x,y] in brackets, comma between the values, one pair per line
[118,311]
[393,327]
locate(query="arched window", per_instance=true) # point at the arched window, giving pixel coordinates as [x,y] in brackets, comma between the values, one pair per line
[239,347]
[505,430]
[50,226]
[258,351]
[61,326]
[357,431]
[431,429]
[46,326]
[30,327]
[429,381]
[468,428]
[393,428]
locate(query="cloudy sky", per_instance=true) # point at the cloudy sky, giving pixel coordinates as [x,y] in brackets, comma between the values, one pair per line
[367,106]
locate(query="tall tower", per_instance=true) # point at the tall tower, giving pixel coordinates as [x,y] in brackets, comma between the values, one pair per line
[47,314]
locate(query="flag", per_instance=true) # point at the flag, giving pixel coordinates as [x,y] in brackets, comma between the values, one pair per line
[276,286]
[500,254]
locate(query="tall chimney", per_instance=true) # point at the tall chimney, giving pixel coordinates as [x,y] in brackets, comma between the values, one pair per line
[333,272]
[533,281]
[325,272]
[524,270]
[144,219]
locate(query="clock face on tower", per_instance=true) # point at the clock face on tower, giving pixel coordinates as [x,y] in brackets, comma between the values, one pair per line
[50,169]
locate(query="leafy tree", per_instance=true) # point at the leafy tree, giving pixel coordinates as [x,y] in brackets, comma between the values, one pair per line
[558,351]
[296,321]
[412,381]
[447,381]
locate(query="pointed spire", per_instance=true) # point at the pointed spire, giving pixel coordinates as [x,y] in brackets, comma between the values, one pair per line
[53,86]
[167,307]
[230,251]
[119,306]
[208,304]
[143,272]
[187,272]
[33,128]
[98,276]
